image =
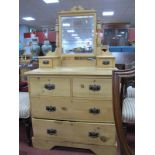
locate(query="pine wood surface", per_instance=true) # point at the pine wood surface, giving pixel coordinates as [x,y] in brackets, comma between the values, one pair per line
[61,84]
[42,65]
[71,109]
[49,144]
[72,71]
[81,88]
[75,131]
[101,60]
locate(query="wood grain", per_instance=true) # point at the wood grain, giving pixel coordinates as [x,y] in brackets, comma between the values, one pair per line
[97,149]
[75,131]
[71,109]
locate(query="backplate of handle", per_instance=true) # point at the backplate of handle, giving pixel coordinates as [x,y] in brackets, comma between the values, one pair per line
[45,62]
[51,131]
[94,110]
[49,86]
[105,62]
[93,134]
[94,87]
[50,108]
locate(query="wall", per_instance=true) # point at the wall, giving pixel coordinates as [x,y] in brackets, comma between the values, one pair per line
[131,34]
[124,57]
[22,29]
[41,36]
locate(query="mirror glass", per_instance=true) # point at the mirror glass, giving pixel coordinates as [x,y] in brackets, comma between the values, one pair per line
[77,34]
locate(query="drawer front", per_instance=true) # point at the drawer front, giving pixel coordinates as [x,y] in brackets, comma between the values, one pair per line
[51,107]
[45,63]
[76,110]
[87,133]
[106,63]
[92,88]
[49,86]
[93,110]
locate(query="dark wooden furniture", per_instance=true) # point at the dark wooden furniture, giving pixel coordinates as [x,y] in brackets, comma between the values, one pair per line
[121,80]
[24,113]
[28,127]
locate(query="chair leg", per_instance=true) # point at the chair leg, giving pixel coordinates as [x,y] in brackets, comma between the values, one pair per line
[27,123]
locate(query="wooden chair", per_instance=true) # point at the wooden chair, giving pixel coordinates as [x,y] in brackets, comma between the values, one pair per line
[24,103]
[122,81]
[24,110]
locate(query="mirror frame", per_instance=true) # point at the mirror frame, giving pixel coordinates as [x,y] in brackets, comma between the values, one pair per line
[77,11]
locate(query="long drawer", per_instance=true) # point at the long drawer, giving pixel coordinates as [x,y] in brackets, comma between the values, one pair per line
[67,109]
[86,133]
[92,88]
[53,86]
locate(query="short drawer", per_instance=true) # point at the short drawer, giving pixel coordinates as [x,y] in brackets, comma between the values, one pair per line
[86,133]
[53,86]
[92,88]
[76,110]
[93,110]
[51,107]
[45,63]
[106,62]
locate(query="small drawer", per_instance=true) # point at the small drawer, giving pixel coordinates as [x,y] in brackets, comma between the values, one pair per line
[86,133]
[76,110]
[92,88]
[106,62]
[51,107]
[93,110]
[57,86]
[45,63]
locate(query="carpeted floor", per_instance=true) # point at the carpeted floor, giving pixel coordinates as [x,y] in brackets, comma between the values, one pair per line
[24,149]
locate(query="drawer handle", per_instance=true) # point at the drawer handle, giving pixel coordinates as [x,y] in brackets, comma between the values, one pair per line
[51,131]
[105,62]
[94,111]
[49,86]
[94,87]
[93,134]
[46,62]
[50,108]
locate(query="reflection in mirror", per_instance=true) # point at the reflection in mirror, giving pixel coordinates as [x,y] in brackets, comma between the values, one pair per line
[77,34]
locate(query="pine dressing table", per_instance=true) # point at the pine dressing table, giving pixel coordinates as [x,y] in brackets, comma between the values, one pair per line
[71,91]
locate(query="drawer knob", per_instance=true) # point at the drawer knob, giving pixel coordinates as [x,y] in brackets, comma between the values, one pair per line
[45,62]
[94,110]
[93,134]
[94,87]
[51,131]
[105,62]
[50,108]
[49,86]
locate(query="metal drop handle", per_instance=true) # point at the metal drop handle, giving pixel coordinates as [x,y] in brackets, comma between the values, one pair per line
[50,108]
[105,62]
[49,86]
[94,110]
[93,134]
[46,62]
[94,87]
[51,131]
